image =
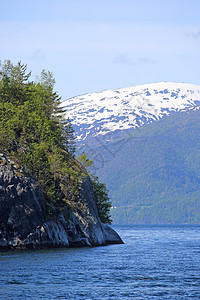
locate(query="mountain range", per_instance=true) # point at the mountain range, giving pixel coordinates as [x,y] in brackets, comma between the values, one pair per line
[144,141]
[111,110]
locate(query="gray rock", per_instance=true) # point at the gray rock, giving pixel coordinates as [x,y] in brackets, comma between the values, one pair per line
[3,243]
[25,222]
[111,236]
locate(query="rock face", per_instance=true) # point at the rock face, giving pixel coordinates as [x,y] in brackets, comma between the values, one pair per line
[26,223]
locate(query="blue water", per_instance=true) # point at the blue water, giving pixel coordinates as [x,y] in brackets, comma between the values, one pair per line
[156,262]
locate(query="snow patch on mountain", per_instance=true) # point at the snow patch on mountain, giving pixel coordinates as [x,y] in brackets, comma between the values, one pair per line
[110,110]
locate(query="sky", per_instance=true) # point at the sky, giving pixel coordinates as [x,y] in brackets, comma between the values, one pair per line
[92,46]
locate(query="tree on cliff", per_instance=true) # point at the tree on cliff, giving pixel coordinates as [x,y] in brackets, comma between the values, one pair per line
[102,200]
[33,130]
[71,139]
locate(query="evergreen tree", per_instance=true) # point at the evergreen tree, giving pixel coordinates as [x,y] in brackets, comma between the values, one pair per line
[70,137]
[13,82]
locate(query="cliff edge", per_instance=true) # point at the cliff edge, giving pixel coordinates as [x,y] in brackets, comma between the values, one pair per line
[27,221]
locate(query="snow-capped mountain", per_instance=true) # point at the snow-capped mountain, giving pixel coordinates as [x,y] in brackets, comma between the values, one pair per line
[113,110]
[152,174]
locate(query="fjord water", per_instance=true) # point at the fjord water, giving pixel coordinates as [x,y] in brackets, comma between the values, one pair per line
[156,262]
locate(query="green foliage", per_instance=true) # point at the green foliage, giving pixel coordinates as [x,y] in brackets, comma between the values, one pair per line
[13,83]
[85,160]
[34,132]
[102,200]
[32,128]
[156,176]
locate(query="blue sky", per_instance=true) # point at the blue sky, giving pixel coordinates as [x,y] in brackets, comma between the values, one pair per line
[95,45]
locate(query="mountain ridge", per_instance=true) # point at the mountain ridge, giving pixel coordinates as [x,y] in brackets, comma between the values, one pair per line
[155,177]
[150,164]
[99,113]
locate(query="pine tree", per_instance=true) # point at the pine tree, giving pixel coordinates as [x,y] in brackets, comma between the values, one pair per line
[70,137]
[14,83]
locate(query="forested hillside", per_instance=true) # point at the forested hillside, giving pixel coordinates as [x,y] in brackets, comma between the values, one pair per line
[154,176]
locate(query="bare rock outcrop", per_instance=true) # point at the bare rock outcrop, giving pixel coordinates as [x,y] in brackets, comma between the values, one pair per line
[25,221]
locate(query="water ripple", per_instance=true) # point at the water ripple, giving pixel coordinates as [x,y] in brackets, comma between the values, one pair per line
[159,262]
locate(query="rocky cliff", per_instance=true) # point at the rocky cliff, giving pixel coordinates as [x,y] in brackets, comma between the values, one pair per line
[27,221]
